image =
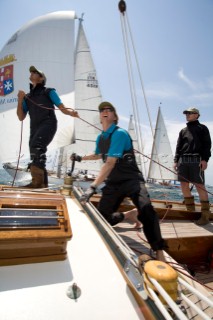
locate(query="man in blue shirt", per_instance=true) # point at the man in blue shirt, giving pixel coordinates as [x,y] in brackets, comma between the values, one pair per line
[39,103]
[122,179]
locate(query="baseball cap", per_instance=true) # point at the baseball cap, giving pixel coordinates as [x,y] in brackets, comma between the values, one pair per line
[41,73]
[192,110]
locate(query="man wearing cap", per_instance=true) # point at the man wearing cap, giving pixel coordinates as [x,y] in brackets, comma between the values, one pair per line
[193,151]
[39,103]
[122,179]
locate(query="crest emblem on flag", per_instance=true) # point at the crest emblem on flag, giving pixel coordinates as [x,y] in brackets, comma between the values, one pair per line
[6,80]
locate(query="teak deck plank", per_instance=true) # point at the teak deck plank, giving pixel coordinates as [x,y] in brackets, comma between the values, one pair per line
[136,240]
[180,229]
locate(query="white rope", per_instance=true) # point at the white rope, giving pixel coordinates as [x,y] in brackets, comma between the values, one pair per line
[196,292]
[169,300]
[193,306]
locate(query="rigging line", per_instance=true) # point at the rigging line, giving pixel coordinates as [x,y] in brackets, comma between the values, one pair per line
[48,108]
[174,172]
[19,155]
[135,107]
[122,8]
[144,94]
[132,87]
[177,268]
[136,103]
[140,77]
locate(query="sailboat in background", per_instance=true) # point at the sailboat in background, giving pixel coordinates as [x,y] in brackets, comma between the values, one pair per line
[161,162]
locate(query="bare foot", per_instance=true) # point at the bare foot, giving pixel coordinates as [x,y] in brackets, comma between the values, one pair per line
[132,216]
[160,255]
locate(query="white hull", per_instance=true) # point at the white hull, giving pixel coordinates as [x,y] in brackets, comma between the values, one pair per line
[39,291]
[105,271]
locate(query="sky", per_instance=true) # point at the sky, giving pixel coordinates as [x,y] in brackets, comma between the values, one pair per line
[174,47]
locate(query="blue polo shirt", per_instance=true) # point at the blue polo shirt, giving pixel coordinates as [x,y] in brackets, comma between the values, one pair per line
[54,97]
[120,142]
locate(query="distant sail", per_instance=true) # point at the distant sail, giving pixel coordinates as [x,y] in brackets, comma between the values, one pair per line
[48,42]
[161,153]
[132,133]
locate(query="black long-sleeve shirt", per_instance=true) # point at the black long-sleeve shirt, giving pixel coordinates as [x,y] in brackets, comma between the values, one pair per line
[194,140]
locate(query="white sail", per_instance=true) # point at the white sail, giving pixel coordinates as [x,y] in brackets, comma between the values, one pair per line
[87,99]
[132,133]
[161,164]
[29,46]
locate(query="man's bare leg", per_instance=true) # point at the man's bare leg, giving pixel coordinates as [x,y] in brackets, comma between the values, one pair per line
[160,255]
[132,215]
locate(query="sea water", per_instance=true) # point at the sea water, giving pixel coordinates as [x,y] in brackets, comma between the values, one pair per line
[155,191]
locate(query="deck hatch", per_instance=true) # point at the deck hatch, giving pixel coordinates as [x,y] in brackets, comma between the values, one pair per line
[31,218]
[33,227]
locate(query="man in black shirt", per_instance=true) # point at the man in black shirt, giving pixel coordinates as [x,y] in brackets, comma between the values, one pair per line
[40,103]
[193,151]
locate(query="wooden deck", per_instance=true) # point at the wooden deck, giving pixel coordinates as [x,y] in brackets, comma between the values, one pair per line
[202,272]
[136,240]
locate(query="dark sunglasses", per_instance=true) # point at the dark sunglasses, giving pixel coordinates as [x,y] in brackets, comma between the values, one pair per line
[110,109]
[189,112]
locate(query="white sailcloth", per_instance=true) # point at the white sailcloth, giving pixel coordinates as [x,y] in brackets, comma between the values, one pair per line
[87,99]
[132,133]
[47,42]
[161,157]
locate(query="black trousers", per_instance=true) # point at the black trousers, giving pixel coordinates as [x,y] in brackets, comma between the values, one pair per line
[114,194]
[40,137]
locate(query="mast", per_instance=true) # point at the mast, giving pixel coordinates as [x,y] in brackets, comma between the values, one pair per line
[128,39]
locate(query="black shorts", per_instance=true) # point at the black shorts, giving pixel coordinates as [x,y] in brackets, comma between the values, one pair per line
[189,170]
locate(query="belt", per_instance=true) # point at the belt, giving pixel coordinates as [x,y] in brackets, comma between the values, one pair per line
[190,156]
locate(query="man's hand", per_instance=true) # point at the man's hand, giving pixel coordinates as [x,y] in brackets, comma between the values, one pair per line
[75,157]
[74,114]
[203,165]
[88,194]
[175,166]
[21,94]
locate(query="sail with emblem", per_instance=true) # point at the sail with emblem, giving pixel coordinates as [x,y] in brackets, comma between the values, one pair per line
[55,58]
[69,69]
